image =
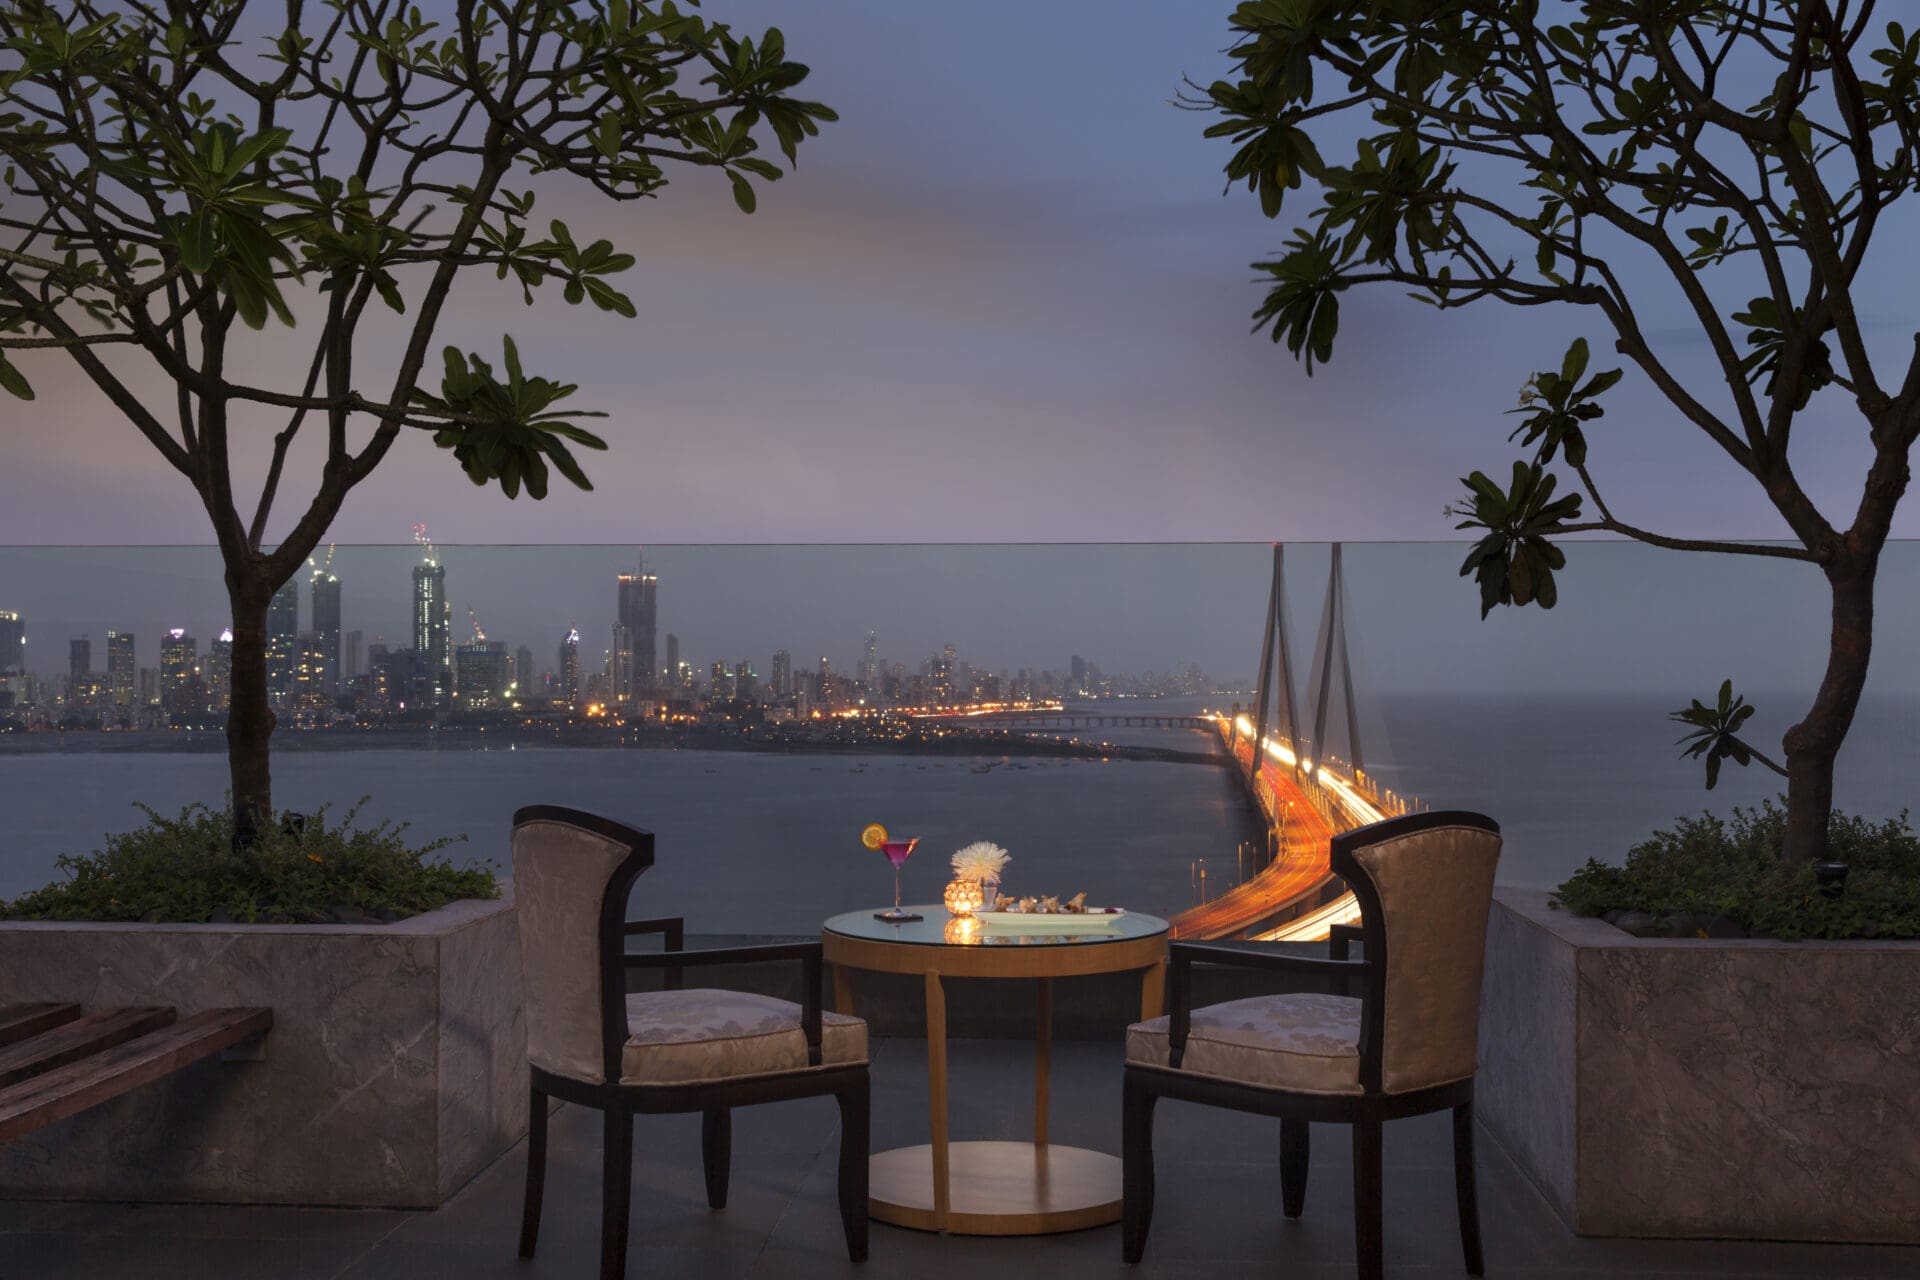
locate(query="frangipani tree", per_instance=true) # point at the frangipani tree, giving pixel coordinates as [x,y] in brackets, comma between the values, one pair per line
[1537,152]
[181,173]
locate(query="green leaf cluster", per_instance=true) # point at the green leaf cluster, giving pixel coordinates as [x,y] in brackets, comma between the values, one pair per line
[1713,731]
[1556,404]
[1514,562]
[185,869]
[506,431]
[1709,866]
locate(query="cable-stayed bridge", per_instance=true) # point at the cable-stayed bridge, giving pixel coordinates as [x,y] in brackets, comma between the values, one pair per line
[1306,792]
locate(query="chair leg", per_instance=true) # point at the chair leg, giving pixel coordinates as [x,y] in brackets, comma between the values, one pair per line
[716,1153]
[1368,1245]
[616,1192]
[855,1109]
[1293,1166]
[1465,1190]
[1136,1155]
[536,1173]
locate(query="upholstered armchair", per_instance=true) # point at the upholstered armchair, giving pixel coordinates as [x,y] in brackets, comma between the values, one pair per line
[674,1050]
[1404,1045]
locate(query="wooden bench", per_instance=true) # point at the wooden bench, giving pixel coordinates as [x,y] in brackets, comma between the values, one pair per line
[57,1060]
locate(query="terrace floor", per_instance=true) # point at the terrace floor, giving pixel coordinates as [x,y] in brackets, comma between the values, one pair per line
[1217,1212]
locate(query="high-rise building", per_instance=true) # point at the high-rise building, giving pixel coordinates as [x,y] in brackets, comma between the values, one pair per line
[483,679]
[179,673]
[326,626]
[123,672]
[350,660]
[283,629]
[79,666]
[1077,675]
[568,669]
[13,641]
[216,673]
[745,682]
[870,673]
[638,602]
[312,698]
[620,664]
[673,664]
[719,682]
[523,672]
[780,678]
[430,625]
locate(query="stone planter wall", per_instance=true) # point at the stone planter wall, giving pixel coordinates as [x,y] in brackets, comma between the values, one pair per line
[395,1070]
[1704,1088]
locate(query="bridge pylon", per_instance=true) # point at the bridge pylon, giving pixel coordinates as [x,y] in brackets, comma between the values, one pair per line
[1276,671]
[1331,651]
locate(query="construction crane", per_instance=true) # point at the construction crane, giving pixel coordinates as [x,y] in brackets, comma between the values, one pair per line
[479,636]
[426,544]
[325,568]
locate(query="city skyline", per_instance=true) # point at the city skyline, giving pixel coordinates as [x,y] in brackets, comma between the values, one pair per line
[1628,615]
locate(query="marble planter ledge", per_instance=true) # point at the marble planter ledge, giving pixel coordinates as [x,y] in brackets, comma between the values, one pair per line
[395,1071]
[1686,1087]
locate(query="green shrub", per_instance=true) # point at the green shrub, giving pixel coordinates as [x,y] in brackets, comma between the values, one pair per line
[186,869]
[1707,867]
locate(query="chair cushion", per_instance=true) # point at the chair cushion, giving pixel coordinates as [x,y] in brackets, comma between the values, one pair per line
[1307,1043]
[683,1037]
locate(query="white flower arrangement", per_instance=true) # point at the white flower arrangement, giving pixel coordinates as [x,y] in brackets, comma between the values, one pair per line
[980,861]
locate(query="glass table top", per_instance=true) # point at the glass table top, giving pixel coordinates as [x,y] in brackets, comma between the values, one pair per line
[938,929]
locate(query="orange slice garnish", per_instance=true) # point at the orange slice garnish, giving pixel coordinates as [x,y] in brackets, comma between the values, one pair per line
[874,836]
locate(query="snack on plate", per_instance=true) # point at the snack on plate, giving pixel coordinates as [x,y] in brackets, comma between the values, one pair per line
[1047,906]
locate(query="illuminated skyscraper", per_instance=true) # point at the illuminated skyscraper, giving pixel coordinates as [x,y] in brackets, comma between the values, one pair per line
[523,672]
[179,673]
[13,641]
[326,626]
[430,612]
[634,665]
[312,700]
[673,664]
[122,672]
[216,673]
[870,673]
[283,628]
[780,679]
[482,673]
[568,669]
[351,664]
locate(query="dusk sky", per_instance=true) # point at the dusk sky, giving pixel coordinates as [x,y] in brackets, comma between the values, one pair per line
[1004,299]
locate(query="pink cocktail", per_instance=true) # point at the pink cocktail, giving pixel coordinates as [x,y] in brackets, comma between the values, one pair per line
[897,851]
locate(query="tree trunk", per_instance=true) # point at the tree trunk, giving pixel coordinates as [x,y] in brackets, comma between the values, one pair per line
[250,717]
[1813,744]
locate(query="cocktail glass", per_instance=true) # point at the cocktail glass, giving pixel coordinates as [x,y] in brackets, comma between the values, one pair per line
[897,852]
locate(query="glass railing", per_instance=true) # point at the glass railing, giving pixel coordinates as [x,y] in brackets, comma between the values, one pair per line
[756,706]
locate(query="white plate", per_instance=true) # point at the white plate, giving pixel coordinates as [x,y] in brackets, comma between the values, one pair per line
[1048,922]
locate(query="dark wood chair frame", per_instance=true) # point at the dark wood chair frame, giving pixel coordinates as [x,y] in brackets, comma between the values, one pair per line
[1366,1111]
[715,1100]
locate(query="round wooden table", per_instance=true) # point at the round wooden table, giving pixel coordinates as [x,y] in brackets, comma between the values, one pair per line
[993,1188]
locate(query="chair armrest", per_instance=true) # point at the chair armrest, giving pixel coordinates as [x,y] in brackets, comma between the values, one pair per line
[807,953]
[675,929]
[1339,936]
[1182,956]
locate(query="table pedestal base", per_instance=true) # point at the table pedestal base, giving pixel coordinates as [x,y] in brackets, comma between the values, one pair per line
[998,1189]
